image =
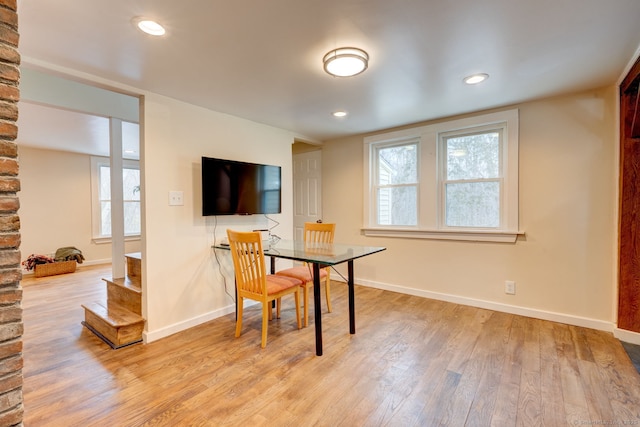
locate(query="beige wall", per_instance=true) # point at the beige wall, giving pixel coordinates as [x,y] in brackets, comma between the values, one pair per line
[564,267]
[55,204]
[184,280]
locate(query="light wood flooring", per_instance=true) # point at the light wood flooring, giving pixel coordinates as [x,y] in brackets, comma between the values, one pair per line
[412,362]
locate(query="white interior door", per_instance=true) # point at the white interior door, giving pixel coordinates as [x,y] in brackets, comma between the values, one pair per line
[307,190]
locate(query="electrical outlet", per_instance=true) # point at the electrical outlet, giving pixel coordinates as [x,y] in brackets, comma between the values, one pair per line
[176,198]
[510,287]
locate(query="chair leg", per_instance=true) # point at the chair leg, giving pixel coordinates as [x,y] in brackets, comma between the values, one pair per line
[239,314]
[278,303]
[265,322]
[297,297]
[327,292]
[306,304]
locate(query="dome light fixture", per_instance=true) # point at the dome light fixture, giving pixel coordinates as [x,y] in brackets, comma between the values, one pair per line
[149,26]
[476,78]
[339,114]
[346,62]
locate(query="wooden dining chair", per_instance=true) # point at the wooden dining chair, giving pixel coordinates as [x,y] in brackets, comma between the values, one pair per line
[252,281]
[313,233]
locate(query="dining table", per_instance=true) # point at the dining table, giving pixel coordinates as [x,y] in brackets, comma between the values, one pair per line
[319,255]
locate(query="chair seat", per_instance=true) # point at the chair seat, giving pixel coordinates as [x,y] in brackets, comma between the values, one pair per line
[277,284]
[303,273]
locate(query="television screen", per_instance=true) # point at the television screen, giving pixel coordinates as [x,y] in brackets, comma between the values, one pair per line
[231,187]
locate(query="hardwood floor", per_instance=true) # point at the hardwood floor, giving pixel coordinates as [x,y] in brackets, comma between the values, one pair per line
[413,362]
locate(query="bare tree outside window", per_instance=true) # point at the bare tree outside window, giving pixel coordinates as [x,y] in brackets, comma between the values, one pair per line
[131,197]
[472,184]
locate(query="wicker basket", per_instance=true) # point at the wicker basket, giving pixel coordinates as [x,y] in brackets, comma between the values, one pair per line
[53,268]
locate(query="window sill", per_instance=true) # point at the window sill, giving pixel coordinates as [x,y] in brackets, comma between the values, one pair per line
[105,240]
[466,235]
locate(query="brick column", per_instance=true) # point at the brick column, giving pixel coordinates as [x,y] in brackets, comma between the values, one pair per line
[11,326]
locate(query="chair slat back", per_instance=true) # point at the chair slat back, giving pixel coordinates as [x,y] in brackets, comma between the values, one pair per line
[319,232]
[248,262]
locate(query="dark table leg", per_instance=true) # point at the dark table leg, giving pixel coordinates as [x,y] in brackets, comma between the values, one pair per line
[352,299]
[316,308]
[273,271]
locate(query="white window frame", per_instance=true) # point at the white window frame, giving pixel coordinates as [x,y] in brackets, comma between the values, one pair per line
[430,196]
[96,221]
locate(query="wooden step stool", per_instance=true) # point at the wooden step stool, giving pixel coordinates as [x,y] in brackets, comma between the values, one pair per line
[119,321]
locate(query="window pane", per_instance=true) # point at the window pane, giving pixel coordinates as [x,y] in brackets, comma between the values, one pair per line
[474,204]
[105,218]
[131,217]
[398,165]
[131,184]
[105,183]
[473,156]
[398,206]
[131,203]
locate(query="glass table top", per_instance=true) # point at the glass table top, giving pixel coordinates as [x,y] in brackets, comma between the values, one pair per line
[321,253]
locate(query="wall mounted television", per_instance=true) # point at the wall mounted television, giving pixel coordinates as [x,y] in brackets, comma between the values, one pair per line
[239,188]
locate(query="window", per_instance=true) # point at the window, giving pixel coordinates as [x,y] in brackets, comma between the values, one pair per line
[397,184]
[452,180]
[102,198]
[471,181]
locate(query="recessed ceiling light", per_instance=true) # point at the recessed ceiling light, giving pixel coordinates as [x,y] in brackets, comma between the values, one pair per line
[149,26]
[345,62]
[339,113]
[476,78]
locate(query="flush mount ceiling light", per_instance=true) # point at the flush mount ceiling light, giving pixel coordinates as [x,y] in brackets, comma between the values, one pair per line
[339,114]
[346,62]
[476,78]
[149,26]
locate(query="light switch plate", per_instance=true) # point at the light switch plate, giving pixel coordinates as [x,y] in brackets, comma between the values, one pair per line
[176,198]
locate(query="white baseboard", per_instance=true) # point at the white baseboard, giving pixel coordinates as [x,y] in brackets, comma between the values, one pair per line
[568,319]
[151,336]
[490,305]
[627,336]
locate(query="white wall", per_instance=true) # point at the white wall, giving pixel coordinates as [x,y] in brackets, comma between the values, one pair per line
[565,265]
[55,205]
[182,282]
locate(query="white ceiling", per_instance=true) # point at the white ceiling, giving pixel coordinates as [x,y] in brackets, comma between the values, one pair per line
[48,127]
[261,60]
